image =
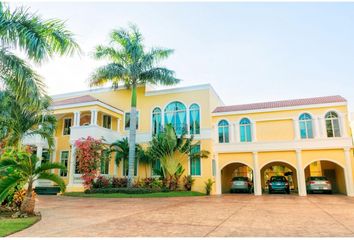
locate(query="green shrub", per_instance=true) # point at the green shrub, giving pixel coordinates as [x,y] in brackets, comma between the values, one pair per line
[188,182]
[119,182]
[208,186]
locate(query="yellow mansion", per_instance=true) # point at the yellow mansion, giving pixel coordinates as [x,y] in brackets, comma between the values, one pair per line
[301,137]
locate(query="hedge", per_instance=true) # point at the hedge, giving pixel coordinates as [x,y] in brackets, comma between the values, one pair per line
[124,190]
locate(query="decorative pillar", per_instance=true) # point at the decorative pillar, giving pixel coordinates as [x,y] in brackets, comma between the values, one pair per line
[71,170]
[254,131]
[348,171]
[237,132]
[296,129]
[322,127]
[232,132]
[343,124]
[118,124]
[218,174]
[76,119]
[216,133]
[316,128]
[300,173]
[256,175]
[94,117]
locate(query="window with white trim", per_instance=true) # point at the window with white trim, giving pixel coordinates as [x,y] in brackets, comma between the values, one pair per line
[305,125]
[332,124]
[194,119]
[156,121]
[64,157]
[245,130]
[66,126]
[107,121]
[223,131]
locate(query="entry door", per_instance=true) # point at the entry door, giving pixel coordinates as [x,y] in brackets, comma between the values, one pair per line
[331,175]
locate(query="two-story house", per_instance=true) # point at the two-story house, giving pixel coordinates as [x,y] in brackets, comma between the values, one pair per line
[301,138]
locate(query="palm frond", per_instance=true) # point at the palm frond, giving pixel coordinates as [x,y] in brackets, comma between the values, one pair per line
[54,178]
[7,184]
[161,76]
[102,75]
[48,166]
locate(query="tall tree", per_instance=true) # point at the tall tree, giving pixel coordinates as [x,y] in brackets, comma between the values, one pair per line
[131,65]
[39,40]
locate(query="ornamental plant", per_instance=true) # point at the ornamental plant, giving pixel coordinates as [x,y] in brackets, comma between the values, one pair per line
[89,153]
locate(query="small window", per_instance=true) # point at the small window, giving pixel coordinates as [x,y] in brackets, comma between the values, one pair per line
[127,120]
[156,121]
[64,156]
[195,168]
[66,127]
[194,119]
[223,131]
[305,122]
[245,130]
[126,167]
[332,125]
[107,121]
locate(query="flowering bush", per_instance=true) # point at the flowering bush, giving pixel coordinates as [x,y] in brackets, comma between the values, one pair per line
[89,154]
[101,182]
[119,182]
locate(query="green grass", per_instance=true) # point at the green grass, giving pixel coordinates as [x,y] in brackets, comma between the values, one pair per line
[9,225]
[125,195]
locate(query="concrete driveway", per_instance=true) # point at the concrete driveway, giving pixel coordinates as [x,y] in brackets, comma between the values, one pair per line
[229,215]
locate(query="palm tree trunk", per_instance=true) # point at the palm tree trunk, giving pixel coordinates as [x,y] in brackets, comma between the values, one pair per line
[28,202]
[132,137]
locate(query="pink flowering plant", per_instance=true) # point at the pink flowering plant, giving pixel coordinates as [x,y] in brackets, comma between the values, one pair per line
[89,153]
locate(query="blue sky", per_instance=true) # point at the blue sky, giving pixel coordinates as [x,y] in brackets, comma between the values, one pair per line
[249,52]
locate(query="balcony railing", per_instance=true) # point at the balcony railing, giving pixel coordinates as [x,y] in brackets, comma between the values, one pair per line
[94,131]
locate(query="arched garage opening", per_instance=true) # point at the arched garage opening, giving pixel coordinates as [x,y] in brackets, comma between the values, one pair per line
[232,170]
[331,171]
[279,168]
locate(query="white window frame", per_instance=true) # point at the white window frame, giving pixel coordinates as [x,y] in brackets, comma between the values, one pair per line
[103,115]
[63,127]
[67,163]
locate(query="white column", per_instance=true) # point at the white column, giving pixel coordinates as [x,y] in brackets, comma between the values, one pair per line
[118,124]
[343,124]
[76,119]
[316,128]
[94,117]
[256,175]
[237,132]
[348,171]
[218,174]
[216,134]
[71,170]
[39,155]
[322,127]
[232,132]
[254,131]
[296,129]
[300,174]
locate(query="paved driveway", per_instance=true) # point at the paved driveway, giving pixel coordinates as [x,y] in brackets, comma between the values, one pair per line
[229,215]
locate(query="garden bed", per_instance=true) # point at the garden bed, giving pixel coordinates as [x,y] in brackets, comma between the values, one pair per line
[135,195]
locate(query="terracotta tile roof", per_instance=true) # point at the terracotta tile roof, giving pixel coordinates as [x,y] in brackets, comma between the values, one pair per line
[280,104]
[81,99]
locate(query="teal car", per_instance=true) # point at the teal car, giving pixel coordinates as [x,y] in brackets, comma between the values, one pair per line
[278,184]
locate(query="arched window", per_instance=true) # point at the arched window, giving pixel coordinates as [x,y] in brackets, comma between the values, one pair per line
[175,114]
[332,124]
[156,121]
[194,119]
[305,122]
[223,129]
[245,130]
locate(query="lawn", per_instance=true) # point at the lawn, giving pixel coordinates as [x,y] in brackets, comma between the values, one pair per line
[9,225]
[125,195]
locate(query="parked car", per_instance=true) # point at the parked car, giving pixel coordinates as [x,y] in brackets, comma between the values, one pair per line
[241,184]
[278,184]
[318,184]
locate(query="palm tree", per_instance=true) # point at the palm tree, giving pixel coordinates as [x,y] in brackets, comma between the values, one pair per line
[171,150]
[38,39]
[131,65]
[19,120]
[22,168]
